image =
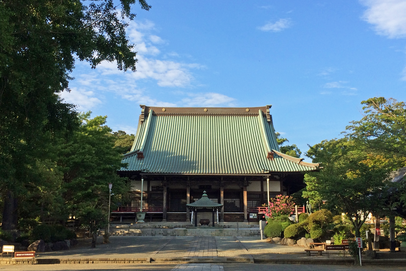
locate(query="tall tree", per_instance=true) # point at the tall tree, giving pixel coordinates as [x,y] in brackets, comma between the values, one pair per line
[90,162]
[383,130]
[39,42]
[351,180]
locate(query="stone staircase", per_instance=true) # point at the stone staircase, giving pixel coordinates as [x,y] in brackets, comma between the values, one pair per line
[184,229]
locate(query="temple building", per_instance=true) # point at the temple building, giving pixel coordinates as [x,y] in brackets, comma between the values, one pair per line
[231,153]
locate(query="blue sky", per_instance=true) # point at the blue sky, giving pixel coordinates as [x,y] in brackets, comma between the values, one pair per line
[314,61]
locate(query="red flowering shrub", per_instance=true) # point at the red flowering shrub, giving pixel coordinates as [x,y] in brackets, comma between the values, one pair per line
[280,205]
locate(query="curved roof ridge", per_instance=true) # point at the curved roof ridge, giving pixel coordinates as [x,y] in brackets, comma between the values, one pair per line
[263,131]
[296,160]
[144,138]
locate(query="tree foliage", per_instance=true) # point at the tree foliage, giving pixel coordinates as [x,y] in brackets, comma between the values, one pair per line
[355,169]
[39,43]
[351,180]
[382,128]
[291,150]
[123,141]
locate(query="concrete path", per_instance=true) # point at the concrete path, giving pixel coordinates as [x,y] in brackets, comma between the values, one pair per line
[211,250]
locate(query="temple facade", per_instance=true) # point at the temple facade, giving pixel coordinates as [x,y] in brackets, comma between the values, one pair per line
[231,153]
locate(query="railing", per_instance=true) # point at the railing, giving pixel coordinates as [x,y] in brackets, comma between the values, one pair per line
[262,210]
[126,209]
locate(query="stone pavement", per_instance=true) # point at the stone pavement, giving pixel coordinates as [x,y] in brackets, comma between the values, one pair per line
[208,251]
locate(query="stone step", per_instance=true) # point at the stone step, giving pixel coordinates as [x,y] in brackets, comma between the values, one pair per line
[184,232]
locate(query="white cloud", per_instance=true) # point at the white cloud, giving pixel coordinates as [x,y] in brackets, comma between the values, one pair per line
[327,71]
[207,99]
[84,100]
[168,69]
[337,84]
[346,90]
[167,73]
[277,26]
[388,17]
[144,49]
[155,39]
[324,92]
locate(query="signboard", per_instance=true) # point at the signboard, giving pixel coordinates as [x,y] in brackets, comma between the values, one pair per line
[24,254]
[359,242]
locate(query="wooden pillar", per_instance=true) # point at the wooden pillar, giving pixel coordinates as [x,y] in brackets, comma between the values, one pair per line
[148,192]
[245,200]
[187,201]
[195,217]
[267,191]
[222,202]
[165,194]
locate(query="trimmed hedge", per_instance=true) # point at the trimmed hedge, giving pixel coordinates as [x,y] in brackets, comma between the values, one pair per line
[273,229]
[303,217]
[316,232]
[293,231]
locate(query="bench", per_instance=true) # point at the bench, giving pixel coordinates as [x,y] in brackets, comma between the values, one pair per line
[7,249]
[318,250]
[337,247]
[317,245]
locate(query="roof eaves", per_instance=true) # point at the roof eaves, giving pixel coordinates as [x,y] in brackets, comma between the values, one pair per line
[298,161]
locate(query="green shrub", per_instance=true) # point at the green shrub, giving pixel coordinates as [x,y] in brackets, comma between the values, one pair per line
[316,232]
[42,231]
[6,236]
[321,218]
[52,233]
[401,237]
[273,229]
[303,217]
[337,219]
[339,237]
[294,231]
[27,224]
[285,224]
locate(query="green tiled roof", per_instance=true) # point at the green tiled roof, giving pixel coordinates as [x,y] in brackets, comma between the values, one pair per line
[209,141]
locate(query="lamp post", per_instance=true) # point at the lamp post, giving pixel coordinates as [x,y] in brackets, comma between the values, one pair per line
[108,218]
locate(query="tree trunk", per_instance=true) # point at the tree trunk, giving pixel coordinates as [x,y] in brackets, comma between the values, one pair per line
[9,211]
[94,239]
[377,226]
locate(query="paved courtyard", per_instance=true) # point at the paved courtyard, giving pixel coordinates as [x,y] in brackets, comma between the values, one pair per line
[196,253]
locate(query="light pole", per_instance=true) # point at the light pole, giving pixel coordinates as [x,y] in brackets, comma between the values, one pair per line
[108,218]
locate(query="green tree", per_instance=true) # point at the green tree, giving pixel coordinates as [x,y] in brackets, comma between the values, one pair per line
[351,180]
[382,129]
[123,141]
[90,162]
[39,43]
[291,150]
